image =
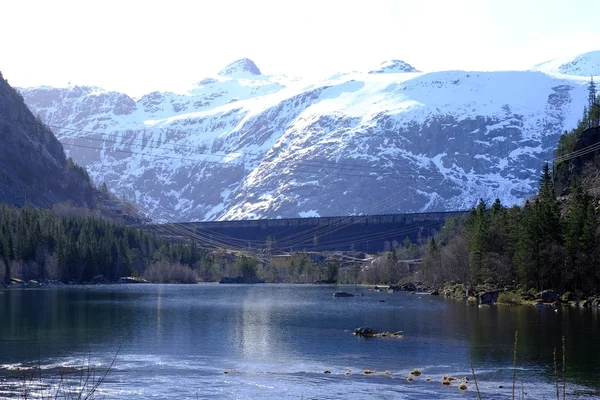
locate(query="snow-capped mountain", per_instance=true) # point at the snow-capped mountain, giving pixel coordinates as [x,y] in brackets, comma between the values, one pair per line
[241,144]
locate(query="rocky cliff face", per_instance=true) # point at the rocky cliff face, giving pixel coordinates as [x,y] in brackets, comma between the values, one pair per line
[33,166]
[244,145]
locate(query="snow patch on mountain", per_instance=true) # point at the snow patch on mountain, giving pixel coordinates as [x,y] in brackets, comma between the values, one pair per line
[393,66]
[587,64]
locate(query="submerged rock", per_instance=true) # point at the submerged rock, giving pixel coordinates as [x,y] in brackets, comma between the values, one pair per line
[398,334]
[343,294]
[369,371]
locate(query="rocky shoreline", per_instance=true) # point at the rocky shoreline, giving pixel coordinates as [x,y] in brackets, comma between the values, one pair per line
[487,295]
[19,283]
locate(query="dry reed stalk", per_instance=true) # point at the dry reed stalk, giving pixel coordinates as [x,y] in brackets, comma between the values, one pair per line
[475,379]
[564,367]
[555,374]
[515,364]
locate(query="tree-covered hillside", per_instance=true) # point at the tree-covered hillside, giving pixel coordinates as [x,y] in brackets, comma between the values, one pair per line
[38,244]
[551,242]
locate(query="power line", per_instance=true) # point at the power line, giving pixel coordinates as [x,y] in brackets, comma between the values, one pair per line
[303,167]
[575,154]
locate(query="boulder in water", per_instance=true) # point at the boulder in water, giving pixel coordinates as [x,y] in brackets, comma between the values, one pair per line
[548,296]
[131,279]
[489,297]
[343,294]
[365,331]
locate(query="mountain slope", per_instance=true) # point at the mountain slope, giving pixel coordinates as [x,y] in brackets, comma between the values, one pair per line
[245,145]
[586,64]
[33,166]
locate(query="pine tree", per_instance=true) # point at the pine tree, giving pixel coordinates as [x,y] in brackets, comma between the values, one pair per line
[527,252]
[479,226]
[589,244]
[573,229]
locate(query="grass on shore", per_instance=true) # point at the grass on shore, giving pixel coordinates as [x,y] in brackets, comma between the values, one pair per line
[510,298]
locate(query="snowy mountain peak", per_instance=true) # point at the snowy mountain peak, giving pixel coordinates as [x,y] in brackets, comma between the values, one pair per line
[586,64]
[240,68]
[394,66]
[243,145]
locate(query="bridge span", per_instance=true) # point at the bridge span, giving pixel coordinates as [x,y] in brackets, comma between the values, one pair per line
[367,233]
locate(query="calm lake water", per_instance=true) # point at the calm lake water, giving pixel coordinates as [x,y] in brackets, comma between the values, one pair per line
[176,341]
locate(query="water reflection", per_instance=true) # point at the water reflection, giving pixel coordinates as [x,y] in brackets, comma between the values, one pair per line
[255,327]
[159,299]
[171,329]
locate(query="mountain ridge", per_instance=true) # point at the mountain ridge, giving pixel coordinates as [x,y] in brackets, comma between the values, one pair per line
[275,147]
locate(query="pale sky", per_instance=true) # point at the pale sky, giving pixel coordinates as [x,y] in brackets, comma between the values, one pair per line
[141,46]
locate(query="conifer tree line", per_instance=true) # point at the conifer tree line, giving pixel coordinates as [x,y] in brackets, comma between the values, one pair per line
[38,244]
[551,242]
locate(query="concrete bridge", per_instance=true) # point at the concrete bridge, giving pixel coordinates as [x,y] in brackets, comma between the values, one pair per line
[368,233]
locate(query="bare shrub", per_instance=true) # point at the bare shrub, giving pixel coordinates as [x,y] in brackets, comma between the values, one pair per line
[375,273]
[450,263]
[25,270]
[163,271]
[51,267]
[17,270]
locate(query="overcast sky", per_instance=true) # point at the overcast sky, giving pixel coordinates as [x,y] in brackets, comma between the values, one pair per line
[140,46]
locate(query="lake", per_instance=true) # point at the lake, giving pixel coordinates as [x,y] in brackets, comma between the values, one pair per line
[276,341]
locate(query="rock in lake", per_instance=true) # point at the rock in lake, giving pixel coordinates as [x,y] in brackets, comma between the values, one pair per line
[489,297]
[585,303]
[365,331]
[548,296]
[567,297]
[343,294]
[131,279]
[409,287]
